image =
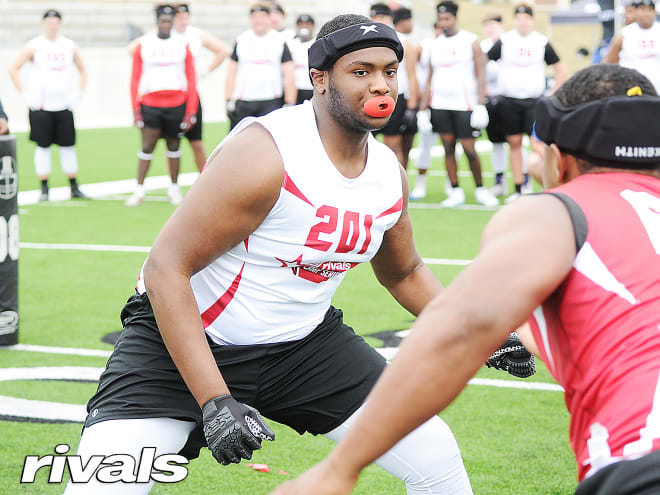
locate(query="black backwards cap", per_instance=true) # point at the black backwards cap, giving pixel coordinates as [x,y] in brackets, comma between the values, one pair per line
[164,10]
[325,51]
[402,14]
[618,131]
[523,9]
[52,13]
[447,6]
[182,8]
[380,9]
[305,18]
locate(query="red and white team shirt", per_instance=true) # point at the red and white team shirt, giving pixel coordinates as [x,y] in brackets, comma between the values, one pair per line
[522,69]
[640,50]
[50,81]
[163,73]
[453,83]
[599,332]
[277,284]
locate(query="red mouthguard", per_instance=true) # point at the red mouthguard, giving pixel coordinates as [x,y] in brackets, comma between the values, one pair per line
[379,106]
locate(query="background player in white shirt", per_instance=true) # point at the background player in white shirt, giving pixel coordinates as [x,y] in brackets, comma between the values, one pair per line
[277,16]
[638,45]
[524,53]
[425,135]
[456,88]
[164,99]
[4,126]
[256,262]
[400,131]
[50,97]
[260,74]
[198,39]
[298,46]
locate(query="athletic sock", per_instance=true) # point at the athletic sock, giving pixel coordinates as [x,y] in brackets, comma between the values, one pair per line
[44,186]
[454,185]
[519,188]
[498,177]
[139,190]
[73,182]
[526,179]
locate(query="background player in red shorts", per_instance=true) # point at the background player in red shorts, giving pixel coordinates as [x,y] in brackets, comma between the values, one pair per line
[583,261]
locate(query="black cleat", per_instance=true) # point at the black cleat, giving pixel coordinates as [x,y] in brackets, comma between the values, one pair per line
[77,193]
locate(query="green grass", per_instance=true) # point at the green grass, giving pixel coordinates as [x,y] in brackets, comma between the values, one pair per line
[513,441]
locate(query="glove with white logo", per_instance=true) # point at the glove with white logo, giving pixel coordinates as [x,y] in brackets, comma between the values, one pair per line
[233,430]
[137,118]
[479,118]
[188,121]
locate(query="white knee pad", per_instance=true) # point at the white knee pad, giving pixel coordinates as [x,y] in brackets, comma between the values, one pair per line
[144,156]
[128,436]
[498,158]
[42,162]
[428,459]
[68,160]
[174,154]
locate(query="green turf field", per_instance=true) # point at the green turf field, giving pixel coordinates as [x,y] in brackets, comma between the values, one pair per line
[513,441]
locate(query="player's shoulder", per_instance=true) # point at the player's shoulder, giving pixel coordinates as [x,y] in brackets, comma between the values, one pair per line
[468,35]
[245,36]
[539,37]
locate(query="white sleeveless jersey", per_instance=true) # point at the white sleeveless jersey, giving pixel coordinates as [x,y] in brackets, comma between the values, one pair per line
[277,284]
[492,69]
[259,75]
[192,36]
[641,51]
[423,63]
[50,79]
[163,64]
[402,72]
[454,83]
[298,50]
[522,68]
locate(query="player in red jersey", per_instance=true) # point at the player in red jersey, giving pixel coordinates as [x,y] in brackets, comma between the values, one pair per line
[583,261]
[164,98]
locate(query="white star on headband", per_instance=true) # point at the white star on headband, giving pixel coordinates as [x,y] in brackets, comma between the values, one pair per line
[368,29]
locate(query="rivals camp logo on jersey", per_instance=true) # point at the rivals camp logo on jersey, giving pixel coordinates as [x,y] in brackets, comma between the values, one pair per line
[316,272]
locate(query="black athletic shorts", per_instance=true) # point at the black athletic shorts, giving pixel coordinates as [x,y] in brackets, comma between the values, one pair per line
[313,384]
[638,477]
[195,132]
[304,94]
[395,126]
[518,115]
[495,129]
[455,122]
[255,108]
[167,119]
[48,128]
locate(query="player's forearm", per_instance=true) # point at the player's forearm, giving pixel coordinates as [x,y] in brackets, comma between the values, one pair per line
[290,90]
[417,289]
[13,75]
[180,325]
[230,81]
[560,76]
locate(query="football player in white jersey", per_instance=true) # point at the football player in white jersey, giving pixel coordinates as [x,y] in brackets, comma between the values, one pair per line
[298,46]
[400,131]
[233,305]
[523,53]
[164,99]
[638,44]
[198,39]
[456,93]
[277,16]
[4,126]
[260,74]
[50,96]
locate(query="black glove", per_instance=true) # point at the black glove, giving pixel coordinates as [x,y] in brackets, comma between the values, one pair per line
[233,430]
[408,121]
[513,358]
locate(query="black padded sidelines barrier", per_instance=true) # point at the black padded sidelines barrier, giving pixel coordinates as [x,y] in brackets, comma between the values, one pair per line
[9,241]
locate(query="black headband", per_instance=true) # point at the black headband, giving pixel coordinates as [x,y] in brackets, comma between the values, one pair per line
[259,8]
[643,3]
[619,131]
[182,8]
[401,14]
[523,9]
[449,7]
[52,13]
[325,51]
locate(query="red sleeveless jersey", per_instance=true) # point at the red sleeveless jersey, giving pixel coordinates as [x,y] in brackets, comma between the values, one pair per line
[599,332]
